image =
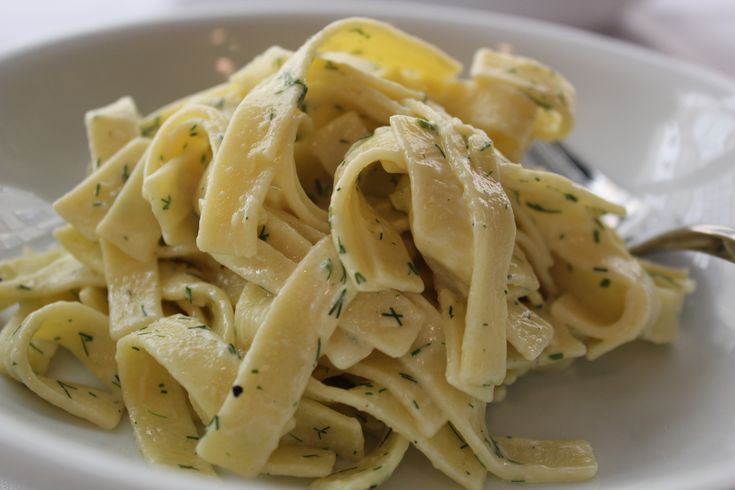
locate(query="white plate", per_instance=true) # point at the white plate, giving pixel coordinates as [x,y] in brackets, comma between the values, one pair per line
[658,417]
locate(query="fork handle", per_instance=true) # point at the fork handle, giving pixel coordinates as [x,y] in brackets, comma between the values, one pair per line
[710,239]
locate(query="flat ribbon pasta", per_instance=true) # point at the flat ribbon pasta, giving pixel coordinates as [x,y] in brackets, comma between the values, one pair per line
[327,258]
[82,331]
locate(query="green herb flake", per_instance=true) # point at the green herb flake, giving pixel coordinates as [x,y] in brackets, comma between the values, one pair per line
[392,313]
[310,456]
[151,128]
[556,357]
[423,123]
[340,246]
[412,269]
[97,190]
[605,283]
[23,287]
[343,278]
[358,30]
[359,278]
[329,65]
[321,431]
[166,202]
[418,350]
[336,308]
[408,377]
[451,311]
[290,81]
[570,197]
[189,295]
[84,338]
[327,266]
[541,209]
[541,103]
[66,387]
[600,269]
[35,348]
[385,437]
[198,327]
[319,187]
[596,236]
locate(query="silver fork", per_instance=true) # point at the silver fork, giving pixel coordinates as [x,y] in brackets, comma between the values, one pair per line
[715,240]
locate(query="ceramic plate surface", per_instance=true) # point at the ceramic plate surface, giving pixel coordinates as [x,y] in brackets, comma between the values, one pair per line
[657,416]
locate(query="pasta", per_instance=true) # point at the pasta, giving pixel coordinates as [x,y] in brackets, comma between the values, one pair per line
[328,258]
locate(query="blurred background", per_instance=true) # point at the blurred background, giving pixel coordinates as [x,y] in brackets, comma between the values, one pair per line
[697,31]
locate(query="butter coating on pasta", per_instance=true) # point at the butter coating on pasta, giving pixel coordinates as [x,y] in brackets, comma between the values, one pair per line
[328,258]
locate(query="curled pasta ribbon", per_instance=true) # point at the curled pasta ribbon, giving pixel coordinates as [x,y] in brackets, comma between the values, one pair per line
[389,374]
[318,426]
[442,448]
[88,203]
[599,271]
[263,128]
[159,366]
[82,331]
[371,471]
[46,277]
[298,324]
[672,285]
[186,286]
[175,166]
[178,359]
[440,160]
[426,363]
[553,95]
[383,320]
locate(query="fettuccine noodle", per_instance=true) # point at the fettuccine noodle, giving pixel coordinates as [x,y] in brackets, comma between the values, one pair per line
[327,259]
